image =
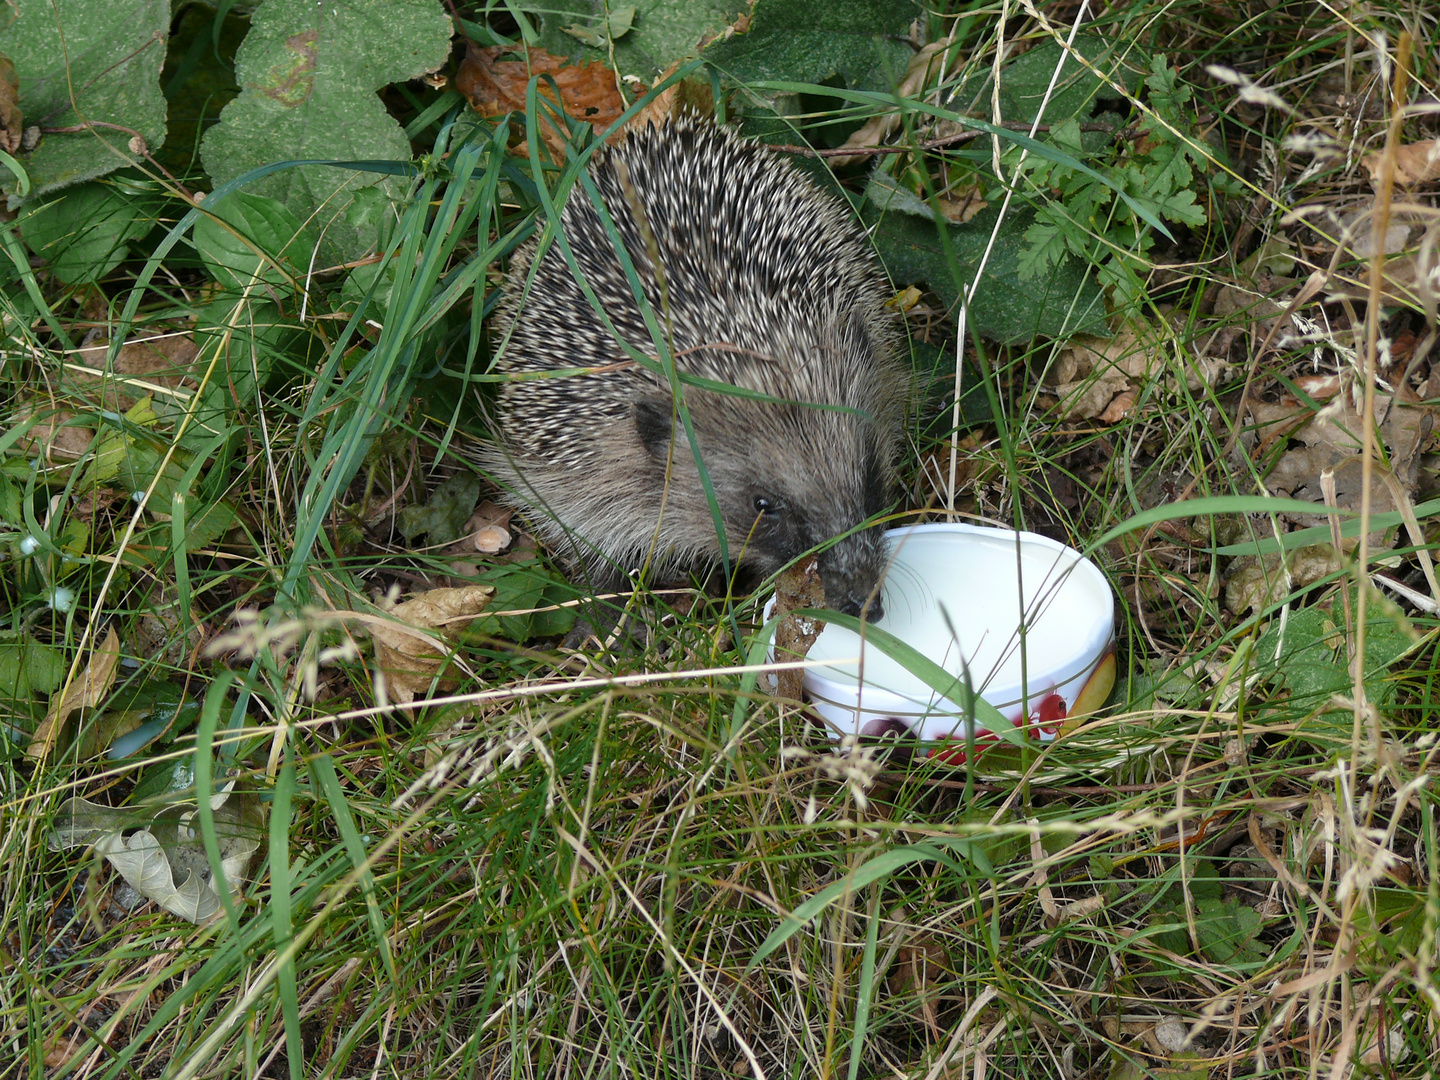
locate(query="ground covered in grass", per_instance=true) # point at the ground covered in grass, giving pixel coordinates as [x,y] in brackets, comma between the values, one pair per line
[297,774]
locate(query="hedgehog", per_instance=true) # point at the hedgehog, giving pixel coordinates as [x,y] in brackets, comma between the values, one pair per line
[769,298]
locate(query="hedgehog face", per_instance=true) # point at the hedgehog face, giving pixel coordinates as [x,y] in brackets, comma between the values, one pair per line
[777,530]
[776,506]
[775,512]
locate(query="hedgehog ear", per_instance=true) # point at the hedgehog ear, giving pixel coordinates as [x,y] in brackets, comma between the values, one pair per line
[859,334]
[652,423]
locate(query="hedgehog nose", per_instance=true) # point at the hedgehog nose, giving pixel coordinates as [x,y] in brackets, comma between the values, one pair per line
[873,611]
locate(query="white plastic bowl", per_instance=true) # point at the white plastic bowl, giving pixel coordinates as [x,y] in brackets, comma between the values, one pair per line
[965,590]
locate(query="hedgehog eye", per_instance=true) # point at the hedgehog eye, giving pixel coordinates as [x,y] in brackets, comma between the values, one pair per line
[765,506]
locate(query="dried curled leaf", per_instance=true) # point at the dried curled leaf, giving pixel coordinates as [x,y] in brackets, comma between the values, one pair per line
[411,648]
[165,860]
[1415,163]
[85,692]
[588,92]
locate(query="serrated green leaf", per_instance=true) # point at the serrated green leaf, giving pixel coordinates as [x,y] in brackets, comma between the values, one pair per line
[1181,207]
[1046,246]
[310,73]
[107,73]
[1006,307]
[1166,92]
[28,668]
[82,232]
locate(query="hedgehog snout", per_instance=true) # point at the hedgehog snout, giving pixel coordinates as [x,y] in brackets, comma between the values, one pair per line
[853,571]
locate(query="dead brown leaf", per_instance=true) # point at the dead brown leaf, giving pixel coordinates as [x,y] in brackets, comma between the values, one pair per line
[926,68]
[1332,442]
[920,969]
[62,1047]
[412,647]
[1257,582]
[1415,163]
[12,120]
[1090,373]
[1119,405]
[1253,304]
[685,96]
[86,691]
[1410,274]
[155,365]
[962,204]
[1093,371]
[588,92]
[54,437]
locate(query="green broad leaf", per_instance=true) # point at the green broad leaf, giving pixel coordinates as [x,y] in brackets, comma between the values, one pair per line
[1025,79]
[1307,654]
[525,586]
[107,73]
[441,518]
[140,466]
[11,502]
[655,37]
[1392,924]
[28,668]
[1228,932]
[1007,308]
[213,522]
[115,445]
[82,232]
[1314,635]
[599,33]
[252,334]
[309,74]
[858,41]
[374,279]
[257,240]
